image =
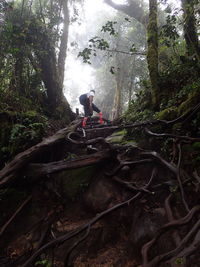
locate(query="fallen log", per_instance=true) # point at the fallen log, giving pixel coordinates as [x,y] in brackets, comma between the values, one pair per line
[38,170]
[9,173]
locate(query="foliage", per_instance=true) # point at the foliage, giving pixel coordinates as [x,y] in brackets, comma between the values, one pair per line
[20,131]
[85,54]
[98,43]
[168,33]
[44,263]
[30,34]
[179,261]
[138,109]
[109,27]
[117,44]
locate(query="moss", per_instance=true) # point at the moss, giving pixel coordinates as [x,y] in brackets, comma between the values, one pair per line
[30,113]
[167,114]
[196,145]
[19,130]
[75,181]
[117,137]
[152,54]
[192,100]
[129,142]
[62,113]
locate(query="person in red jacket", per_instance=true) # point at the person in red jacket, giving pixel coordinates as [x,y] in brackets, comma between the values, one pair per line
[87,101]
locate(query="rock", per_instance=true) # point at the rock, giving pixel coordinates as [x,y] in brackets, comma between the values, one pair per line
[72,183]
[101,195]
[125,172]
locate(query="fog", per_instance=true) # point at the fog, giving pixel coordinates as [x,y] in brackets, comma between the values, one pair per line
[79,76]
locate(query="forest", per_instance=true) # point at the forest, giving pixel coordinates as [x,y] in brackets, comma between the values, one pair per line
[123,191]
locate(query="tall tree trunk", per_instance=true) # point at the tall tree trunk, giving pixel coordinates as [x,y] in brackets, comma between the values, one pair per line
[130,90]
[63,42]
[44,51]
[58,105]
[116,111]
[49,71]
[117,105]
[118,98]
[189,26]
[131,83]
[16,82]
[152,53]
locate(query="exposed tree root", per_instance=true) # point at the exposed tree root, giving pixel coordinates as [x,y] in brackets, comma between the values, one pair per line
[70,235]
[87,226]
[10,171]
[114,158]
[81,239]
[170,218]
[127,163]
[166,256]
[167,227]
[177,137]
[129,186]
[4,227]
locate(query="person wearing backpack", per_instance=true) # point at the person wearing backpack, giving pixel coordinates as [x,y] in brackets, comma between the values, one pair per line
[87,101]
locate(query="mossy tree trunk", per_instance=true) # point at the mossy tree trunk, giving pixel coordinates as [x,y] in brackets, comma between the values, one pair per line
[16,81]
[152,53]
[45,53]
[117,100]
[189,26]
[64,41]
[130,90]
[51,65]
[47,63]
[117,105]
[132,81]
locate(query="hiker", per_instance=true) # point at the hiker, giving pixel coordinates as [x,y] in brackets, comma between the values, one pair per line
[87,101]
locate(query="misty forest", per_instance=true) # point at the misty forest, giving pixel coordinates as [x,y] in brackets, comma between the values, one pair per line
[121,187]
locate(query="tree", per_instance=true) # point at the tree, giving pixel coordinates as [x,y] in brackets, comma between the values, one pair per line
[152,54]
[134,9]
[63,41]
[123,44]
[32,36]
[53,66]
[189,26]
